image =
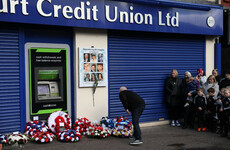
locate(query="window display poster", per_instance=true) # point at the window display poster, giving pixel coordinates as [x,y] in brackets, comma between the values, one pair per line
[92,66]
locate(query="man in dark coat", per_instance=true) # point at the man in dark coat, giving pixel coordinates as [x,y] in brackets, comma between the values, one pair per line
[133,103]
[225,81]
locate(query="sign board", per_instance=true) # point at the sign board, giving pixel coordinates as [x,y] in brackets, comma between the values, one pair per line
[92,66]
[108,14]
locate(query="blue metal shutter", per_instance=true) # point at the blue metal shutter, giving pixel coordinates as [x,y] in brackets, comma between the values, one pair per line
[9,81]
[142,61]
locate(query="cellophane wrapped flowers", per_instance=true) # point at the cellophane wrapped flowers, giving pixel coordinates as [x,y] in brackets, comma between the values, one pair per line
[108,123]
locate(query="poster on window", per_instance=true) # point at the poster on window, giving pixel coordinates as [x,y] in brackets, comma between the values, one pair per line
[92,66]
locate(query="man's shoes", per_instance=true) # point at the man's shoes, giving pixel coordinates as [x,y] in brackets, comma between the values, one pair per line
[203,129]
[199,129]
[136,142]
[132,138]
[177,123]
[173,123]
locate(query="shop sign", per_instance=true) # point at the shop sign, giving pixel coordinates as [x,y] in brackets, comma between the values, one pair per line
[113,15]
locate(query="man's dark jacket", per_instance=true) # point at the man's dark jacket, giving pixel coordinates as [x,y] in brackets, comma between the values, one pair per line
[224,83]
[131,100]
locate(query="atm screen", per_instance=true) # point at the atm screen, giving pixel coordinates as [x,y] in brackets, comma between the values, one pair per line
[43,90]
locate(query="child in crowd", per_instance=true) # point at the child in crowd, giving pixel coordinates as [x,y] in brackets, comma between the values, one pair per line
[220,97]
[225,110]
[200,106]
[191,87]
[211,110]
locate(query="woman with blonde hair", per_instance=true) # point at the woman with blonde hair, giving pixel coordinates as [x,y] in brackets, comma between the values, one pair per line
[173,89]
[210,83]
[216,74]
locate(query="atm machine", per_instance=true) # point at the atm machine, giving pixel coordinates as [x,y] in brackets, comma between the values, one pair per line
[48,82]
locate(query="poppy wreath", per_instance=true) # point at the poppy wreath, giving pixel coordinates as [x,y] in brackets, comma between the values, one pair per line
[3,139]
[69,136]
[57,120]
[123,127]
[108,123]
[82,125]
[33,127]
[98,132]
[18,139]
[43,137]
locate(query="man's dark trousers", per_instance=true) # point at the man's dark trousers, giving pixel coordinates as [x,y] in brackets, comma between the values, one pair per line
[136,113]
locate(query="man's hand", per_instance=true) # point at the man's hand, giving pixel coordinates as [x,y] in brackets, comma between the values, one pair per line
[127,111]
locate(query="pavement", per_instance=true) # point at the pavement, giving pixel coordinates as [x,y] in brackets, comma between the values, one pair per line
[162,137]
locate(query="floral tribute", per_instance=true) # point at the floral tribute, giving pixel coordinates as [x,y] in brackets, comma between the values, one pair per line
[3,139]
[39,132]
[82,125]
[18,139]
[123,128]
[98,132]
[58,120]
[43,137]
[69,136]
[34,127]
[108,123]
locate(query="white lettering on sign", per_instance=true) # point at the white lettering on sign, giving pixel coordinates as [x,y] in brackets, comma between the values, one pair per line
[128,17]
[170,21]
[24,7]
[80,13]
[40,10]
[87,11]
[13,4]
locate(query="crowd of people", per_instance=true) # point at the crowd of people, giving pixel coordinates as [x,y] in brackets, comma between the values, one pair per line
[205,102]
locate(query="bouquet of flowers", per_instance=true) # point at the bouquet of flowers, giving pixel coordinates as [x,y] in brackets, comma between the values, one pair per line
[123,127]
[3,139]
[108,123]
[33,127]
[122,133]
[58,120]
[82,125]
[69,136]
[43,137]
[39,132]
[18,139]
[98,131]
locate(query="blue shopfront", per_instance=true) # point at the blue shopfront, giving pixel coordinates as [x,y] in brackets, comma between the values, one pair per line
[143,42]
